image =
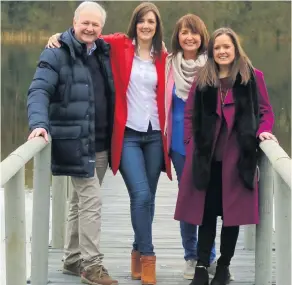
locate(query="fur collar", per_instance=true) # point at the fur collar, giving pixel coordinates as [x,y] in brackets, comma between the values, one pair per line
[245,125]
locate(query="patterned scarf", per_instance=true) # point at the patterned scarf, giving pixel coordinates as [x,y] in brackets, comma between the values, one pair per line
[184,72]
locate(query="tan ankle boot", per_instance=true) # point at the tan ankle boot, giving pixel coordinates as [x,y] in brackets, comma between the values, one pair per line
[148,276]
[135,265]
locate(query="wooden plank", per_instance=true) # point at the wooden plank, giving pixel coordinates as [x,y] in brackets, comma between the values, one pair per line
[117,238]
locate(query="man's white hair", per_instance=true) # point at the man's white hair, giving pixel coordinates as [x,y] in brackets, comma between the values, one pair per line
[91,5]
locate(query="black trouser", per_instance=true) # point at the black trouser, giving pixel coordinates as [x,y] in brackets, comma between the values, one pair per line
[207,231]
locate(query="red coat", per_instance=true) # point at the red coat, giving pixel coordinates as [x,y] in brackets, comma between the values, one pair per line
[122,55]
[240,205]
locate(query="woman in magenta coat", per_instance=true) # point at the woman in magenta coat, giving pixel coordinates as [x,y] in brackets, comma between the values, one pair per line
[226,113]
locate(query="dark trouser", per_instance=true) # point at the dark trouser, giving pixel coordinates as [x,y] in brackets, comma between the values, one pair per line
[188,231]
[141,165]
[207,231]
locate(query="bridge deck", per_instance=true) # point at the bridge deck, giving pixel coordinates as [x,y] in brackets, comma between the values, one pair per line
[117,238]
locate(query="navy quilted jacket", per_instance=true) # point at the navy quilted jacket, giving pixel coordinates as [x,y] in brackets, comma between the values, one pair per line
[61,100]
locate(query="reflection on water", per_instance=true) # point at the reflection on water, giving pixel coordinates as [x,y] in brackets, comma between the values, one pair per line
[269,52]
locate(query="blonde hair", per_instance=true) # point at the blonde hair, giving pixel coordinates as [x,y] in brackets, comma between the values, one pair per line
[91,5]
[209,73]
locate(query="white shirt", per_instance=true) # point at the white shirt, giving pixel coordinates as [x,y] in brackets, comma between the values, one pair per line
[141,96]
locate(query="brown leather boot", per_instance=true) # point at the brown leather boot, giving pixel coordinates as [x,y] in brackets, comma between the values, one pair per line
[135,265]
[97,275]
[148,276]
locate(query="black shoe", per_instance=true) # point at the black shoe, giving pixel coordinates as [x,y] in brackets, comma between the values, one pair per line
[222,276]
[201,276]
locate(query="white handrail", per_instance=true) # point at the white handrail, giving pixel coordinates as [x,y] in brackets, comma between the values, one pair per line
[274,159]
[12,178]
[274,190]
[280,160]
[17,159]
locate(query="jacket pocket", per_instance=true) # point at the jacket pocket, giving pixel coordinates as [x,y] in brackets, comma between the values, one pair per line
[66,145]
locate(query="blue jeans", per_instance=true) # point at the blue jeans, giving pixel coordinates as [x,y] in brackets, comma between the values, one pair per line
[188,231]
[141,165]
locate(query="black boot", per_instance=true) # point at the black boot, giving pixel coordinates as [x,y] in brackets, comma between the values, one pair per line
[201,276]
[222,276]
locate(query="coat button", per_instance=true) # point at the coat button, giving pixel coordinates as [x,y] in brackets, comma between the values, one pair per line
[86,85]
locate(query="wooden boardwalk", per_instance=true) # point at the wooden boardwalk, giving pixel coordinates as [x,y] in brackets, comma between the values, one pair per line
[117,237]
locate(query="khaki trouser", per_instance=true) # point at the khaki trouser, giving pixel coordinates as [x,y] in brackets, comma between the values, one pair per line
[84,217]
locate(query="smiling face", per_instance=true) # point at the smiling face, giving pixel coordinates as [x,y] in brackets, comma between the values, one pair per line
[146,27]
[223,50]
[88,25]
[189,41]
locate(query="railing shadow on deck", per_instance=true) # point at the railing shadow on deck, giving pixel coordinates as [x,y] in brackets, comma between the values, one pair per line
[275,182]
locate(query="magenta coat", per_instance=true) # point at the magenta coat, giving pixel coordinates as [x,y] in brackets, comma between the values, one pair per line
[240,205]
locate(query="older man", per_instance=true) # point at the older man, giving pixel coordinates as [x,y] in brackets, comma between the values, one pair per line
[72,98]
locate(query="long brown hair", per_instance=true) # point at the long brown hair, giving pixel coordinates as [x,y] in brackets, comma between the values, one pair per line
[196,25]
[209,73]
[139,12]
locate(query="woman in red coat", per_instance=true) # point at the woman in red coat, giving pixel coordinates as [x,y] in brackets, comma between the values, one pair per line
[225,115]
[139,149]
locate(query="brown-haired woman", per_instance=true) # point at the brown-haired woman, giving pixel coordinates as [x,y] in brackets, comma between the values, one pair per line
[138,148]
[189,45]
[225,115]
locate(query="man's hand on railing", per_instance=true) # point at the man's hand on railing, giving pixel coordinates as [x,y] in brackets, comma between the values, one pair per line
[267,136]
[39,132]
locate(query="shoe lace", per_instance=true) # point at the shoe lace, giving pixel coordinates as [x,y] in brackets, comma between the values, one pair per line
[101,271]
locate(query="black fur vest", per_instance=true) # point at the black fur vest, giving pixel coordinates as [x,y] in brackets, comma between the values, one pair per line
[246,123]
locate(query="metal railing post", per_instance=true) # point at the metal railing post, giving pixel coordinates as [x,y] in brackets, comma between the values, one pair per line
[15,229]
[249,237]
[41,217]
[264,230]
[283,231]
[59,196]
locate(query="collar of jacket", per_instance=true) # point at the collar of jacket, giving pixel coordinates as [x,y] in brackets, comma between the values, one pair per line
[77,48]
